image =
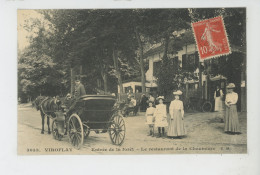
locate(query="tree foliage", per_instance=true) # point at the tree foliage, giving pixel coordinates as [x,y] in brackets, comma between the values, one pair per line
[109,45]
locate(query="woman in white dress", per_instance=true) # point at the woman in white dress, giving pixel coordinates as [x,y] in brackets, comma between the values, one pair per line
[231,117]
[218,95]
[160,115]
[150,118]
[176,124]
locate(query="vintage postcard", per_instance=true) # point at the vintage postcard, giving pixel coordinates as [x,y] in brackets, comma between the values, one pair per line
[132,81]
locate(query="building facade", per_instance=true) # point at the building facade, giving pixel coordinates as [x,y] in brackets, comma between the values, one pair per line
[204,86]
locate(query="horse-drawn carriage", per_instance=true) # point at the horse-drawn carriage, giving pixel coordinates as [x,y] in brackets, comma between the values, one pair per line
[90,113]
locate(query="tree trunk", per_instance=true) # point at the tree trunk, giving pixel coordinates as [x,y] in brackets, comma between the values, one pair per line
[166,45]
[72,80]
[200,80]
[118,73]
[104,77]
[141,60]
[207,79]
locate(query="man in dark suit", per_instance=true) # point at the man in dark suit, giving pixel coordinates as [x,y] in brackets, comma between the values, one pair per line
[78,92]
[79,89]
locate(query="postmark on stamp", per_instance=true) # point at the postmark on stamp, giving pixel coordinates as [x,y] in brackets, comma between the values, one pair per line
[211,38]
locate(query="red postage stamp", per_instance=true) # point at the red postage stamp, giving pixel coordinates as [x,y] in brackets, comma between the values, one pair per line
[211,38]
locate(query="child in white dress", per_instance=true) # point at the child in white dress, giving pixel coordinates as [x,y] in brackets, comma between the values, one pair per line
[160,115]
[150,118]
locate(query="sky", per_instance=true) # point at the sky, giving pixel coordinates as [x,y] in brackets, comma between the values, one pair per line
[22,18]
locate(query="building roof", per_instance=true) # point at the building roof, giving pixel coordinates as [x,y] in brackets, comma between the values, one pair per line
[175,44]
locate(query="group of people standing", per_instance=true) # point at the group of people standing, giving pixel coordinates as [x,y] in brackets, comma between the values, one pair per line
[157,117]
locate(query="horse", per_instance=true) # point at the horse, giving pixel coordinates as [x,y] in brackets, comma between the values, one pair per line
[47,106]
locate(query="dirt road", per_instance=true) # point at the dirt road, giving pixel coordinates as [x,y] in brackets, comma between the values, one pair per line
[204,135]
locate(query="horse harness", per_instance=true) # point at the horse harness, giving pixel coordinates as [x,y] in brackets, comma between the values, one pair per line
[42,105]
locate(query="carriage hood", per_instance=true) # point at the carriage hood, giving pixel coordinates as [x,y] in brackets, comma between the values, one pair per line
[91,97]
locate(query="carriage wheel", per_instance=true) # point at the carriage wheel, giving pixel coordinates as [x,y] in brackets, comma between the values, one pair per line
[55,133]
[206,107]
[117,130]
[75,129]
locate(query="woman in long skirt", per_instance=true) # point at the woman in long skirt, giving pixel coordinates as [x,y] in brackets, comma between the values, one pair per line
[231,117]
[176,124]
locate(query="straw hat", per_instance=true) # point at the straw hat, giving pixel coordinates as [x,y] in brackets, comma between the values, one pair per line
[161,97]
[178,92]
[231,86]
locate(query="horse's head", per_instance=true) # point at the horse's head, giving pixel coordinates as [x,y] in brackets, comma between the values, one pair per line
[36,103]
[58,102]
